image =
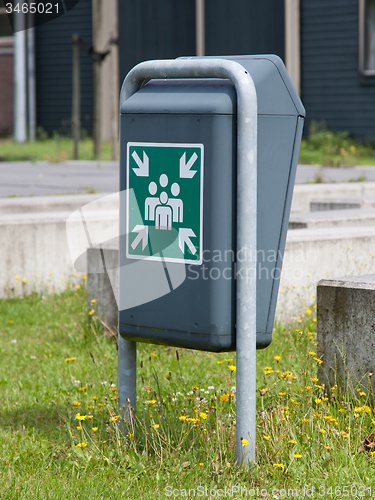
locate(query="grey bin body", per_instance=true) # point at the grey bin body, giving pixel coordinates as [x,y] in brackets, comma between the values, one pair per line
[201,313]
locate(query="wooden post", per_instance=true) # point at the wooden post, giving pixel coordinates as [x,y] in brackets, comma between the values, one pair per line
[76,98]
[115,100]
[97,29]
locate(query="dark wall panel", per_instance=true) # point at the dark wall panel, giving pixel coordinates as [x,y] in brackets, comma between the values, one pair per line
[245,27]
[165,29]
[155,29]
[331,87]
[54,70]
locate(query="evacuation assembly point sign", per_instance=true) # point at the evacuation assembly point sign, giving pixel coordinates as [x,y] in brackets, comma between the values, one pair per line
[167,181]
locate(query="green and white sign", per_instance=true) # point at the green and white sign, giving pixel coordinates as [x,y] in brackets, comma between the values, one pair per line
[167,181]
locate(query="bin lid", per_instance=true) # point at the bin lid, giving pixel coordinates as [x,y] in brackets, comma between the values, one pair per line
[276,94]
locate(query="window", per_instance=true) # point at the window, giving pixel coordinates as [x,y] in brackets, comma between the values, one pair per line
[367,39]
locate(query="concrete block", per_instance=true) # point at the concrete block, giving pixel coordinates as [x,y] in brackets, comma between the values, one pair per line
[314,254]
[342,203]
[332,218]
[103,286]
[34,247]
[346,332]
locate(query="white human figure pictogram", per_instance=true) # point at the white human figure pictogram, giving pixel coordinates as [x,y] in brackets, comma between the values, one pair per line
[151,202]
[163,213]
[176,204]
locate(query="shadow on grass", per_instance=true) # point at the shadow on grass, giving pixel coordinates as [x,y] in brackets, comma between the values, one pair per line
[45,420]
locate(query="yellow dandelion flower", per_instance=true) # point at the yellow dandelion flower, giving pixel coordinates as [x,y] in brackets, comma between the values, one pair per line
[24,280]
[322,431]
[314,379]
[81,417]
[91,312]
[358,410]
[90,417]
[79,428]
[319,361]
[277,358]
[267,438]
[244,442]
[153,354]
[156,426]
[224,397]
[324,399]
[229,360]
[297,455]
[308,311]
[282,393]
[372,452]
[114,418]
[94,429]
[10,321]
[317,415]
[362,393]
[93,301]
[203,415]
[152,401]
[94,398]
[81,445]
[219,362]
[182,418]
[292,441]
[314,320]
[232,368]
[82,389]
[279,465]
[318,401]
[78,287]
[305,420]
[228,464]
[201,464]
[76,403]
[367,409]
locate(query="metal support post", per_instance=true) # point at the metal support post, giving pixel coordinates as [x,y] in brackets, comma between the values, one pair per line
[246,232]
[20,99]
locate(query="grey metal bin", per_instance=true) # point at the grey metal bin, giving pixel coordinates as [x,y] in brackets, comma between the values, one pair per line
[200,313]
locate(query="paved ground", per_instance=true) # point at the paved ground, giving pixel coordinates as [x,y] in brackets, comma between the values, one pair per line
[28,179]
[36,179]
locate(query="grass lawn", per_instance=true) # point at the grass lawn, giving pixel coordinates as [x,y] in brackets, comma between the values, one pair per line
[319,147]
[58,377]
[56,150]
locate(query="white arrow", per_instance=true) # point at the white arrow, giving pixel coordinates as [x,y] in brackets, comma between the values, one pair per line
[185,172]
[143,169]
[184,237]
[142,235]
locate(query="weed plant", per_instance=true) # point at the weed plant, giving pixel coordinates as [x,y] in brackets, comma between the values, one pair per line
[62,436]
[334,149]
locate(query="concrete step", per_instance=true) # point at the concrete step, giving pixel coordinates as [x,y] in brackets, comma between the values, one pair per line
[61,203]
[304,194]
[342,203]
[333,218]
